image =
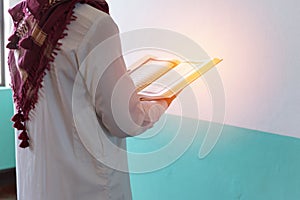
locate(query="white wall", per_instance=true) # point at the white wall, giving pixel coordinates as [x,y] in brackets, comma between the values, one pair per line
[7,32]
[259,42]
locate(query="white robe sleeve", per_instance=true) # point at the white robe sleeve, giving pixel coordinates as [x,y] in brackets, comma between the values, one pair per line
[118,107]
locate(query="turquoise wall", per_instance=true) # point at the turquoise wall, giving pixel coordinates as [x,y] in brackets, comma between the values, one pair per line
[244,165]
[7,152]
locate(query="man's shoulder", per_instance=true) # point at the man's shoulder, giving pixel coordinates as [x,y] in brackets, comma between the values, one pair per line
[89,13]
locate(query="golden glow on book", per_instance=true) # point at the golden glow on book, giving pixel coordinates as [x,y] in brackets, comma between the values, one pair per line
[163,78]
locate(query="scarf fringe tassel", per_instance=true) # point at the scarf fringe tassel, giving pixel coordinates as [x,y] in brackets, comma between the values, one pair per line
[19,124]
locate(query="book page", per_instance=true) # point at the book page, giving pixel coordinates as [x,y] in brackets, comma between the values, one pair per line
[149,71]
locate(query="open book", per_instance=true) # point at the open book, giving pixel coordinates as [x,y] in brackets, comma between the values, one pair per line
[161,78]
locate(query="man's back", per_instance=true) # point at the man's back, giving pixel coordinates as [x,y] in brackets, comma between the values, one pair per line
[57,165]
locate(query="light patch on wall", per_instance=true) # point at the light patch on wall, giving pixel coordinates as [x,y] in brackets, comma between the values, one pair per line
[258,41]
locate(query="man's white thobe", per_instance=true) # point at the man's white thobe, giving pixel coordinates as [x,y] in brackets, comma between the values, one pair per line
[64,160]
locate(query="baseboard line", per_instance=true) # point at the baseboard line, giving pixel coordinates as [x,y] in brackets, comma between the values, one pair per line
[7,176]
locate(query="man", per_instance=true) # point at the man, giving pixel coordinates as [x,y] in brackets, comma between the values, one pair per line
[52,40]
